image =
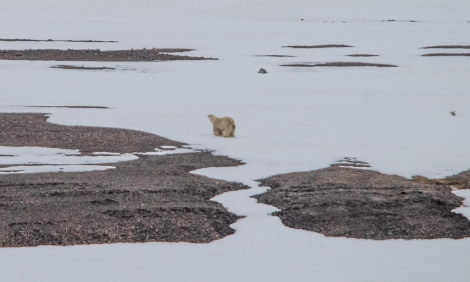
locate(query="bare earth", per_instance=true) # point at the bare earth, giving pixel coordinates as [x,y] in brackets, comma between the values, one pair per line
[358,203]
[133,55]
[154,198]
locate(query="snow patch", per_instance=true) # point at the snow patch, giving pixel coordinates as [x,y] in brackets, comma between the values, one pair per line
[30,159]
[465,208]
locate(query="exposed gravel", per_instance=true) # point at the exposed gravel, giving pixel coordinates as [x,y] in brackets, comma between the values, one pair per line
[55,40]
[338,64]
[362,55]
[154,198]
[318,46]
[447,47]
[71,67]
[137,55]
[446,55]
[34,130]
[366,204]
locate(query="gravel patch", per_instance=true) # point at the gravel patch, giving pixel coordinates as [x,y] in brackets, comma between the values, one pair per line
[318,46]
[276,56]
[338,64]
[71,67]
[362,55]
[447,47]
[133,55]
[357,203]
[153,198]
[53,40]
[446,55]
[68,107]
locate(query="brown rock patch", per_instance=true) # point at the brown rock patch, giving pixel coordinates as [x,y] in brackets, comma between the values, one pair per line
[447,47]
[71,67]
[318,46]
[446,55]
[137,55]
[153,198]
[344,202]
[363,55]
[55,40]
[338,64]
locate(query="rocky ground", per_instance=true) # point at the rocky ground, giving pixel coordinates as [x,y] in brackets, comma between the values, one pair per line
[359,203]
[154,198]
[134,55]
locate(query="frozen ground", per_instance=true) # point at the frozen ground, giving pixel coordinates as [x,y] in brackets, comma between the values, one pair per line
[39,159]
[291,119]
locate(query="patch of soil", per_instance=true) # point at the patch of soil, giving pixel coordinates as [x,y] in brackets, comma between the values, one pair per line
[52,40]
[277,56]
[446,55]
[459,181]
[68,107]
[447,47]
[400,21]
[363,55]
[338,64]
[356,203]
[34,130]
[70,67]
[318,46]
[133,55]
[153,198]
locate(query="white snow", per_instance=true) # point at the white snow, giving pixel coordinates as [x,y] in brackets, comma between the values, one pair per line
[291,119]
[51,168]
[465,208]
[168,151]
[39,159]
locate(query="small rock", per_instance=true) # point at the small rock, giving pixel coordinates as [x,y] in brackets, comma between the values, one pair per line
[452,113]
[263,71]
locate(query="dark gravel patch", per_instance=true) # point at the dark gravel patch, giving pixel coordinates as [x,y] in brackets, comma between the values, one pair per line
[447,47]
[446,55]
[153,198]
[34,130]
[133,55]
[68,107]
[356,203]
[318,46]
[277,56]
[71,67]
[338,64]
[53,40]
[362,55]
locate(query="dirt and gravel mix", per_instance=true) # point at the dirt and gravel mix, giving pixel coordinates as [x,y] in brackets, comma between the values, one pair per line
[358,203]
[153,198]
[133,55]
[339,64]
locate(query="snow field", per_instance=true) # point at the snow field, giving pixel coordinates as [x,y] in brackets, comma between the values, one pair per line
[291,119]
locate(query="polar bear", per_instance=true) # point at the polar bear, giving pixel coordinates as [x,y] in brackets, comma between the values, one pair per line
[224,126]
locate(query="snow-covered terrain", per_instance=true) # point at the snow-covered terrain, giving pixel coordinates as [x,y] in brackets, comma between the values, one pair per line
[37,159]
[291,119]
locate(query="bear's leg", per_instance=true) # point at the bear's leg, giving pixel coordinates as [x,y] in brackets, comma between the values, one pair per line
[228,132]
[217,132]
